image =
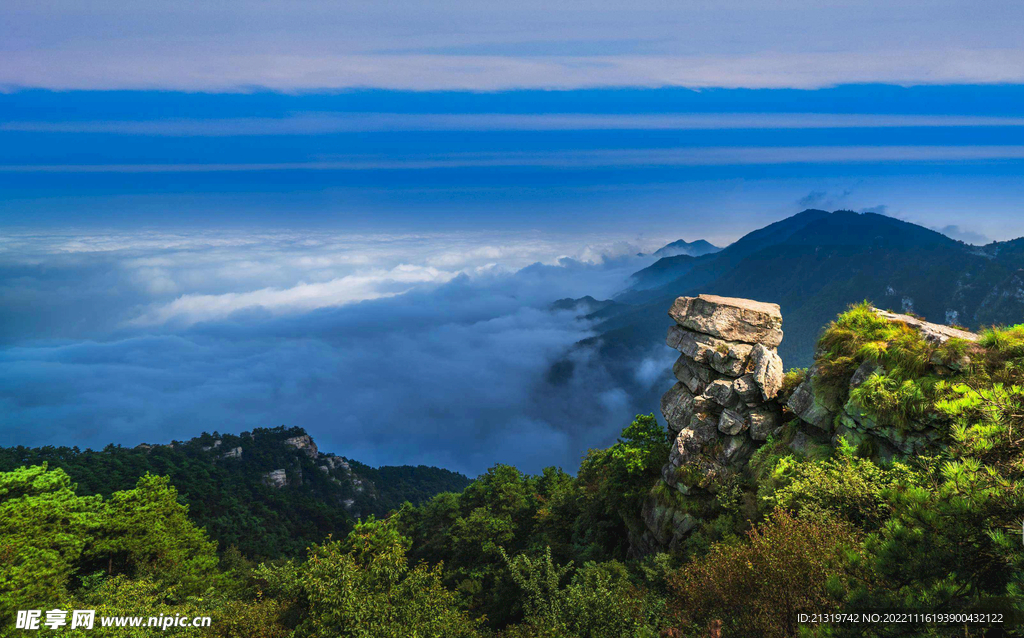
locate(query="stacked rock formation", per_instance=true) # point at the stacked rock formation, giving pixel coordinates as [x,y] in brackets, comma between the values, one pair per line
[831,415]
[722,407]
[728,374]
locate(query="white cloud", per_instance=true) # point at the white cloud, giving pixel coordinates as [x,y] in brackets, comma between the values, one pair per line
[145,279]
[193,308]
[492,73]
[967,235]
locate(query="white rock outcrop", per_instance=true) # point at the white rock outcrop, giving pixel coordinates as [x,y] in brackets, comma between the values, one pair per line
[305,444]
[276,478]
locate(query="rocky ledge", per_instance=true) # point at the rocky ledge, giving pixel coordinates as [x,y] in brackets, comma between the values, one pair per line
[305,444]
[725,405]
[831,416]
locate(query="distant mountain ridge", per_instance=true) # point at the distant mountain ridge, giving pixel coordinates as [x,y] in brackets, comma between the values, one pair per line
[694,248]
[708,267]
[814,265]
[584,305]
[269,492]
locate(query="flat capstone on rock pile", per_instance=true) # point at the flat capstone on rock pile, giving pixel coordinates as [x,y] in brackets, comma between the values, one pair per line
[729,374]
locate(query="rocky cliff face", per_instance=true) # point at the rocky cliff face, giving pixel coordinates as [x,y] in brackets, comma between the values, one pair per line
[726,403]
[825,416]
[722,406]
[305,444]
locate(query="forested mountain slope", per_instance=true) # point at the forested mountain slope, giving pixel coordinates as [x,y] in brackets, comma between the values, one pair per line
[269,492]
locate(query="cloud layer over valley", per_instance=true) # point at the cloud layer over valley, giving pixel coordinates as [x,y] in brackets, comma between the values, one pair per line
[389,349]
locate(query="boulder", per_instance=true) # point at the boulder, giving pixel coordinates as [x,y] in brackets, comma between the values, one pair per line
[764,422]
[735,449]
[276,478]
[335,462]
[854,438]
[801,444]
[722,393]
[692,344]
[730,318]
[933,332]
[863,371]
[805,405]
[906,441]
[691,440]
[674,336]
[746,389]
[730,358]
[692,375]
[731,423]
[853,416]
[961,363]
[767,371]
[676,406]
[725,357]
[665,525]
[304,443]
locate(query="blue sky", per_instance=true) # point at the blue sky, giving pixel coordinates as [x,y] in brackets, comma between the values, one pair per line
[714,163]
[353,217]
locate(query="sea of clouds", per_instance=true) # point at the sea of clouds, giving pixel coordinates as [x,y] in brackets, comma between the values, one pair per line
[388,348]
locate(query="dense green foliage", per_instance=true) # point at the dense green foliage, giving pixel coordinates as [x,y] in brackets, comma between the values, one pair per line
[788,566]
[582,520]
[809,528]
[469,564]
[934,532]
[228,496]
[57,547]
[365,587]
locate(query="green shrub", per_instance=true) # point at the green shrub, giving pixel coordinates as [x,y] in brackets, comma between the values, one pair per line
[860,335]
[844,488]
[364,587]
[892,402]
[600,600]
[793,378]
[758,587]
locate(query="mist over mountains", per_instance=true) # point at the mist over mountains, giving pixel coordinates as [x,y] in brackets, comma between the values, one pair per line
[389,349]
[451,351]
